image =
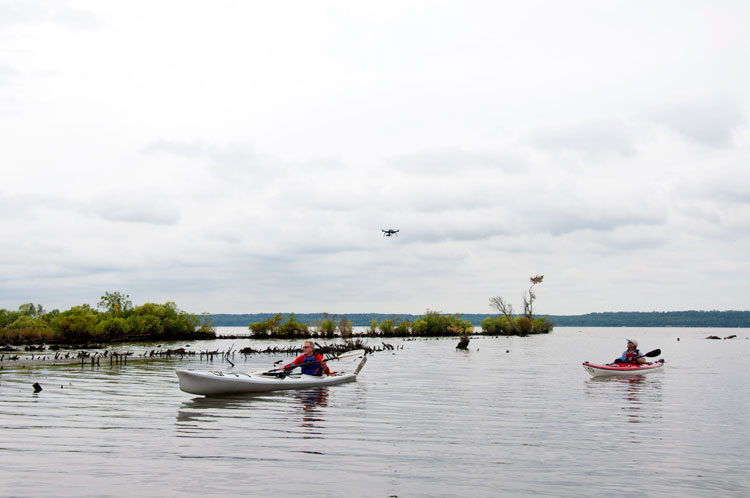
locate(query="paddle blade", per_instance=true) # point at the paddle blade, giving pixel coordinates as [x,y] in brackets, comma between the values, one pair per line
[655,352]
[349,354]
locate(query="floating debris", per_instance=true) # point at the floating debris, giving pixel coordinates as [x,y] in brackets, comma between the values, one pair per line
[37,387]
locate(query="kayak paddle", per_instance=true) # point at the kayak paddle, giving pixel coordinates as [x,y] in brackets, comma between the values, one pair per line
[651,354]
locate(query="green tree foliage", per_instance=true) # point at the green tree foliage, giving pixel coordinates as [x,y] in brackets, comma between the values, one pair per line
[266,328]
[208,326]
[275,327]
[386,327]
[162,321]
[115,303]
[27,329]
[328,326]
[346,329]
[292,328]
[29,309]
[8,317]
[77,324]
[111,328]
[83,324]
[497,325]
[402,328]
[435,324]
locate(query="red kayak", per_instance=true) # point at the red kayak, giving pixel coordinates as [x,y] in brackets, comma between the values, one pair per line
[622,368]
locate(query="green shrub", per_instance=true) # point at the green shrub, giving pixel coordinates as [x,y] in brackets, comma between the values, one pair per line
[327,326]
[76,324]
[541,325]
[386,327]
[292,328]
[111,328]
[435,324]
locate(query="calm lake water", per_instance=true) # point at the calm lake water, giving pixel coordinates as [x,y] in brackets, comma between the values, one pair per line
[509,417]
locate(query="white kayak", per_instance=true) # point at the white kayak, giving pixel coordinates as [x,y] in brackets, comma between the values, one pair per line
[623,368]
[210,383]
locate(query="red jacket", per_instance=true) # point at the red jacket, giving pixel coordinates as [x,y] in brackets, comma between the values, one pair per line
[314,365]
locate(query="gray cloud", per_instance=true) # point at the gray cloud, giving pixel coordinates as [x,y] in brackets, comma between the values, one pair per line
[136,208]
[710,122]
[595,138]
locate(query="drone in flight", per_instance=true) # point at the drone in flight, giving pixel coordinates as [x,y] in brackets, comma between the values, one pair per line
[389,233]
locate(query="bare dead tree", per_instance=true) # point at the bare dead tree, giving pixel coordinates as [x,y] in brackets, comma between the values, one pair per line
[528,298]
[506,309]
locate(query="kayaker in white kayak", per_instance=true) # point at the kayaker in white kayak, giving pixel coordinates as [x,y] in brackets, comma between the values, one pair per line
[312,363]
[631,355]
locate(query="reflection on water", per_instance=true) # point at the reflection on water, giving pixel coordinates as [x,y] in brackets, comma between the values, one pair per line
[198,413]
[311,403]
[639,396]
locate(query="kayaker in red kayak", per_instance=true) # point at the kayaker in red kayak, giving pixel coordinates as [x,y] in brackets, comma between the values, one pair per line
[631,355]
[312,364]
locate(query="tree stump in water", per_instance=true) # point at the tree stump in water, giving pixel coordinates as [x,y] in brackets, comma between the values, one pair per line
[463,343]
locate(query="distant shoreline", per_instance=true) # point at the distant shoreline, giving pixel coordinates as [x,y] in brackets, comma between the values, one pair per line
[712,319]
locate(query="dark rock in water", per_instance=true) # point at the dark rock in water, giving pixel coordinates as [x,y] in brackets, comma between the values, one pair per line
[713,337]
[37,387]
[463,343]
[731,337]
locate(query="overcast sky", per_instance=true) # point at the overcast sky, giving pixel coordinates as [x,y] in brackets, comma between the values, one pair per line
[243,156]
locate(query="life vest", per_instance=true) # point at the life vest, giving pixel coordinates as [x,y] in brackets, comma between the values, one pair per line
[312,366]
[629,356]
